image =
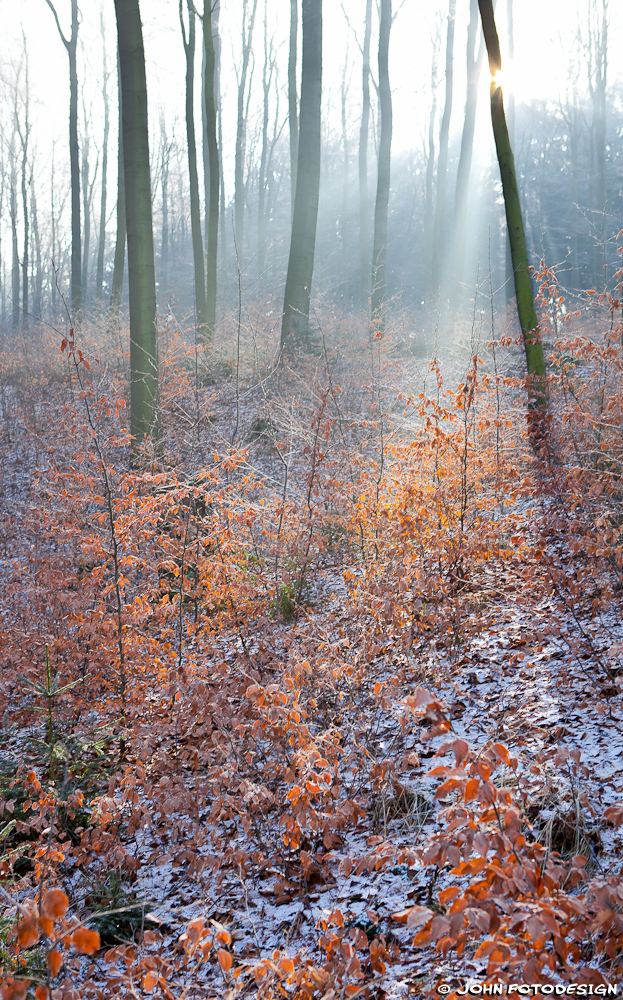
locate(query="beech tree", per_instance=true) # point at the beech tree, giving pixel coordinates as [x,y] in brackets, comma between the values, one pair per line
[215,172]
[535,359]
[379,251]
[71,44]
[195,210]
[141,262]
[295,321]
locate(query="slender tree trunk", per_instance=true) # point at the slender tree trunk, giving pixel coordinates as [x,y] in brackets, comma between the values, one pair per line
[53,223]
[474,66]
[241,131]
[295,323]
[38,277]
[101,247]
[535,359]
[267,76]
[24,136]
[219,113]
[15,269]
[86,212]
[164,185]
[214,165]
[597,78]
[141,261]
[345,185]
[195,207]
[293,101]
[430,173]
[119,260]
[379,251]
[510,285]
[442,163]
[364,229]
[76,253]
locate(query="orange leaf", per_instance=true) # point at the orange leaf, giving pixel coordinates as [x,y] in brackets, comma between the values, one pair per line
[55,904]
[224,959]
[27,932]
[501,752]
[85,942]
[286,965]
[150,981]
[42,993]
[223,937]
[14,989]
[55,962]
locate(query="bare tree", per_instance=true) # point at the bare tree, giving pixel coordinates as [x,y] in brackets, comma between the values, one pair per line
[597,79]
[293,101]
[141,262]
[195,209]
[120,239]
[210,23]
[442,163]
[295,321]
[248,21]
[70,44]
[101,245]
[379,250]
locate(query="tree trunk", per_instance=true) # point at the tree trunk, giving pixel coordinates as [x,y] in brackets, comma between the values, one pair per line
[295,322]
[195,207]
[267,76]
[364,229]
[510,285]
[214,164]
[141,262]
[164,186]
[24,137]
[430,173]
[535,359]
[86,212]
[379,251]
[219,113]
[38,277]
[99,275]
[15,275]
[597,78]
[241,131]
[345,185]
[119,261]
[474,65]
[442,164]
[293,101]
[76,253]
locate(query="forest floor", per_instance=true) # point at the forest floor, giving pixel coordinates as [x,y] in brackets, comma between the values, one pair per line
[257,816]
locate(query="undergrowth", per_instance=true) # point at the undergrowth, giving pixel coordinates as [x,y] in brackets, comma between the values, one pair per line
[225,663]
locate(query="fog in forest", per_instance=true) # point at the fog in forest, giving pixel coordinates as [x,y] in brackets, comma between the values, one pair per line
[563,93]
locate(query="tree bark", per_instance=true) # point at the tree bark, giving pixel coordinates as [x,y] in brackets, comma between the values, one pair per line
[99,274]
[474,66]
[241,130]
[215,172]
[511,131]
[442,164]
[364,229]
[15,275]
[267,76]
[76,252]
[24,138]
[597,78]
[295,321]
[119,261]
[535,359]
[141,261]
[195,208]
[38,276]
[379,251]
[293,102]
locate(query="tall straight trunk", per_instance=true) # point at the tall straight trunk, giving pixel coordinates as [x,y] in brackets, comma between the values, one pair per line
[86,212]
[535,359]
[219,113]
[248,21]
[24,137]
[364,230]
[15,268]
[141,260]
[101,245]
[510,286]
[214,165]
[474,66]
[597,78]
[442,163]
[38,276]
[164,187]
[379,250]
[55,262]
[195,207]
[345,185]
[76,253]
[430,173]
[295,321]
[293,115]
[267,76]
[119,261]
